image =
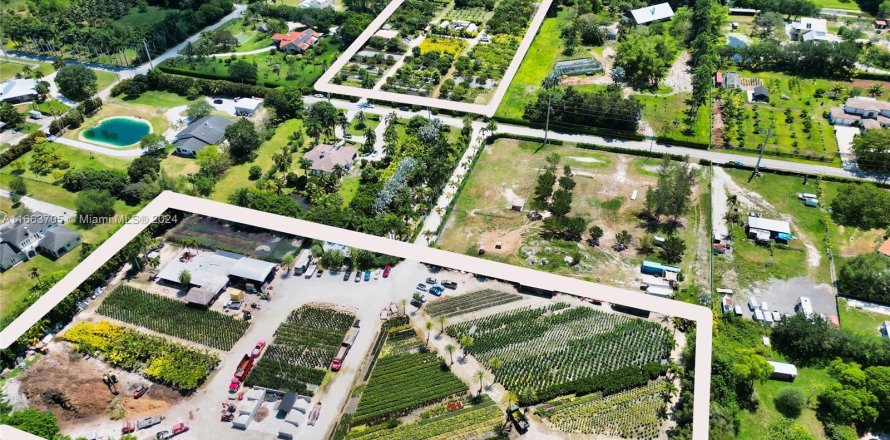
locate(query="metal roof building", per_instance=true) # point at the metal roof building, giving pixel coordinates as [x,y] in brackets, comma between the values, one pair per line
[774,226]
[583,66]
[652,13]
[781,370]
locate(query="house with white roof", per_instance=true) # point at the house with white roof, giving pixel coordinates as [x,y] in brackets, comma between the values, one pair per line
[866,112]
[810,29]
[317,4]
[652,13]
[18,90]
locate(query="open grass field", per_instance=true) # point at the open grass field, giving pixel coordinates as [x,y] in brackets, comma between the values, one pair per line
[859,321]
[156,98]
[356,129]
[104,79]
[237,176]
[248,37]
[537,63]
[837,4]
[809,380]
[507,171]
[273,68]
[666,115]
[13,66]
[146,16]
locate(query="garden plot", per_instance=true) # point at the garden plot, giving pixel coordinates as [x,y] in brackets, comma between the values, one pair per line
[172,317]
[505,174]
[304,345]
[405,377]
[631,414]
[471,302]
[547,351]
[468,420]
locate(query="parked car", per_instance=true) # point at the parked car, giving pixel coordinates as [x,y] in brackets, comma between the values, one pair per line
[421,287]
[318,274]
[164,435]
[217,101]
[367,274]
[346,274]
[257,349]
[518,418]
[417,303]
[449,284]
[377,274]
[437,290]
[358,276]
[347,136]
[431,281]
[386,271]
[179,428]
[319,96]
[232,305]
[419,296]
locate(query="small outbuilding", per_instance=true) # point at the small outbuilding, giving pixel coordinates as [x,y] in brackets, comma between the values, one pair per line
[764,229]
[760,94]
[885,248]
[783,371]
[657,269]
[652,13]
[247,106]
[582,66]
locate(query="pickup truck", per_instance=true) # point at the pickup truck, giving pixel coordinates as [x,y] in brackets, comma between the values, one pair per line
[449,284]
[518,418]
[148,422]
[241,372]
[344,347]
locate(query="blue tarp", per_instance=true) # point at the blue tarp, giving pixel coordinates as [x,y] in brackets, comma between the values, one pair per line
[783,236]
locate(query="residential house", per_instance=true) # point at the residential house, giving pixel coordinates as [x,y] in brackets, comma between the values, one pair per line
[324,158]
[583,66]
[209,130]
[18,90]
[809,29]
[783,371]
[652,13]
[296,42]
[22,238]
[211,273]
[868,113]
[764,229]
[885,248]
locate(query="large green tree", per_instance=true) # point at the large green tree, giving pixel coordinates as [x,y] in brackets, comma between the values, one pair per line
[243,141]
[287,102]
[94,206]
[866,276]
[646,58]
[863,205]
[872,150]
[76,82]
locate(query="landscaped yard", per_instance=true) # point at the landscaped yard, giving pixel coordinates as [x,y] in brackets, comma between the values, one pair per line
[667,117]
[104,79]
[248,37]
[273,68]
[9,69]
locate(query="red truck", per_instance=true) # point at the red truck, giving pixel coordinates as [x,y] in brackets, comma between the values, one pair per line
[344,347]
[241,372]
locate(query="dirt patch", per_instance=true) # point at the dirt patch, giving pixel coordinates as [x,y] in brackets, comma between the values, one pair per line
[71,387]
[261,414]
[861,242]
[510,241]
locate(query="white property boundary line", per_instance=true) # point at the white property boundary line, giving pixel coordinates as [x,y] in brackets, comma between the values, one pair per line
[527,277]
[324,83]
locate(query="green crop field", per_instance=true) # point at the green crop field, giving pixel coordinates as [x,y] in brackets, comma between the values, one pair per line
[469,303]
[172,317]
[475,421]
[546,349]
[302,351]
[403,380]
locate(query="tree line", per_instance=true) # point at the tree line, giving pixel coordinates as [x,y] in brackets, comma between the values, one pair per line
[809,58]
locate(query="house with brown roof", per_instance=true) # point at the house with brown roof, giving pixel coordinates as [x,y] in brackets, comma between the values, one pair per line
[885,248]
[325,157]
[296,42]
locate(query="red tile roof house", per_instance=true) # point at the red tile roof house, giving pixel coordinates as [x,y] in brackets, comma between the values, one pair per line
[296,42]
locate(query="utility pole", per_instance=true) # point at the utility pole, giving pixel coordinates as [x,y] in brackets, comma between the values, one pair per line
[769,132]
[145,45]
[547,121]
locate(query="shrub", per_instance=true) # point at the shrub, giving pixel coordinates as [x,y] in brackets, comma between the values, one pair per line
[790,402]
[255,172]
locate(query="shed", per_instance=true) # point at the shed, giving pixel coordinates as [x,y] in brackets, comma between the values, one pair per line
[772,226]
[251,269]
[718,79]
[761,93]
[665,292]
[654,268]
[247,106]
[582,66]
[885,248]
[804,307]
[732,80]
[652,13]
[783,371]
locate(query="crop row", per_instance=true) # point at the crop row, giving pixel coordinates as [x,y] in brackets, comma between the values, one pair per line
[636,413]
[400,383]
[302,350]
[172,317]
[543,349]
[159,359]
[474,422]
[402,342]
[471,302]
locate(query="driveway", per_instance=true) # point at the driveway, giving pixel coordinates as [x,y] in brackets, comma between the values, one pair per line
[60,212]
[844,136]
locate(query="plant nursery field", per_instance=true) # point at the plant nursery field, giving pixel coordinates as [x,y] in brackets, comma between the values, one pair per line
[629,414]
[469,303]
[157,358]
[547,350]
[403,380]
[475,421]
[302,350]
[172,317]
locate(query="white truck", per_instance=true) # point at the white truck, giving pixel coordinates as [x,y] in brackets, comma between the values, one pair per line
[302,262]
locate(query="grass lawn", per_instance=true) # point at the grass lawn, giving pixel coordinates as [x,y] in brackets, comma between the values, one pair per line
[667,116]
[860,321]
[158,99]
[104,79]
[9,69]
[811,381]
[507,171]
[52,107]
[237,176]
[371,120]
[537,63]
[348,188]
[151,16]
[248,37]
[77,158]
[292,70]
[837,4]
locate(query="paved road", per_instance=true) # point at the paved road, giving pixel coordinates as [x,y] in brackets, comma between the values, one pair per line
[848,171]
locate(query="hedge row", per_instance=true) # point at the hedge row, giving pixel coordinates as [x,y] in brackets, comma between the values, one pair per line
[75,116]
[591,130]
[182,85]
[15,151]
[608,383]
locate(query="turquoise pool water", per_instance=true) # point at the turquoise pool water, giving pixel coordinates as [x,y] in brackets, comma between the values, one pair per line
[119,132]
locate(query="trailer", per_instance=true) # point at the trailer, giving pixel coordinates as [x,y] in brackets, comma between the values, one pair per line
[302,262]
[351,335]
[310,271]
[148,422]
[518,418]
[241,372]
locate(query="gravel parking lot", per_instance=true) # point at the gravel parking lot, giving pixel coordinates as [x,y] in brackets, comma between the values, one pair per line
[782,295]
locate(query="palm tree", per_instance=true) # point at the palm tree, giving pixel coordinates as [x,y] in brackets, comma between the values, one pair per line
[480,375]
[441,319]
[466,341]
[549,83]
[34,273]
[429,330]
[450,349]
[495,364]
[404,306]
[185,279]
[669,390]
[876,91]
[360,117]
[391,118]
[287,262]
[509,399]
[491,127]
